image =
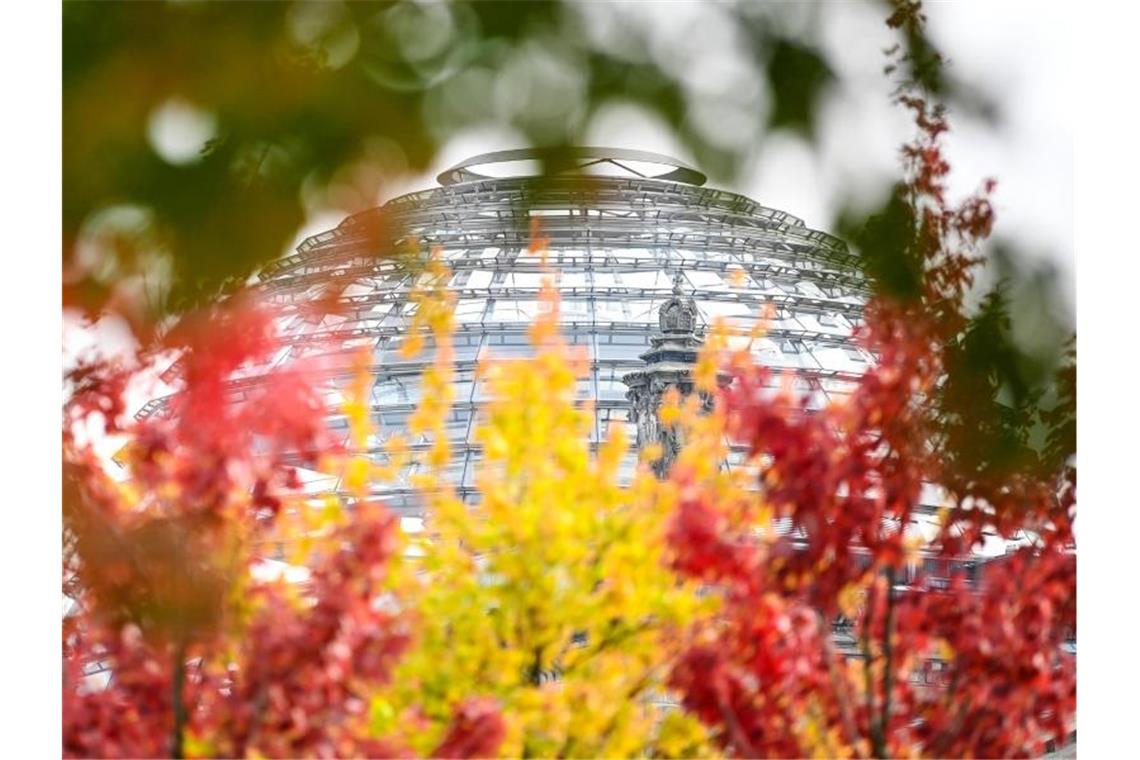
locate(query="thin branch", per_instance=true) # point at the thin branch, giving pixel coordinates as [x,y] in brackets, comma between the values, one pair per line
[260,701]
[610,640]
[888,653]
[178,730]
[937,749]
[837,685]
[868,684]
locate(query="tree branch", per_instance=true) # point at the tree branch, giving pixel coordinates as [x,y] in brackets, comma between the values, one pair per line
[888,654]
[743,746]
[938,747]
[177,698]
[877,743]
[837,685]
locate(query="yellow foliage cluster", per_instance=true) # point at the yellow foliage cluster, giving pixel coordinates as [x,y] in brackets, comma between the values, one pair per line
[550,594]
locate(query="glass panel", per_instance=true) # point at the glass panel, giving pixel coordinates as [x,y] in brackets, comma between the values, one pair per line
[470,310]
[515,310]
[611,311]
[575,310]
[643,310]
[611,390]
[480,278]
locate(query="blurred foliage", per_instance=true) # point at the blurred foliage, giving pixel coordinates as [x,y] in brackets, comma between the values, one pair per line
[885,241]
[198,135]
[797,76]
[1010,390]
[1008,401]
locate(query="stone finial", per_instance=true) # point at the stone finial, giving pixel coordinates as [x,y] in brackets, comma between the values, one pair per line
[669,364]
[678,314]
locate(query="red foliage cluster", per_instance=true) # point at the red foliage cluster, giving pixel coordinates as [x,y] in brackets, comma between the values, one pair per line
[757,675]
[210,446]
[132,718]
[201,656]
[849,478]
[476,730]
[204,475]
[295,686]
[1009,685]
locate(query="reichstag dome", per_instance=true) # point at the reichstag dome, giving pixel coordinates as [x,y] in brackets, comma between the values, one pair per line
[627,230]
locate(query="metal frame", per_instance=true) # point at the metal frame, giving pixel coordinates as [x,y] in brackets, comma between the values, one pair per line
[585,157]
[618,242]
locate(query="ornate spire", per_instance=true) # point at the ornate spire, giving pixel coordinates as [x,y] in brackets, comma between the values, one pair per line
[668,364]
[678,314]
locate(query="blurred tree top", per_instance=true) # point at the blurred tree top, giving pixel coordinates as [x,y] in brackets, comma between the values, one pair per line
[196,135]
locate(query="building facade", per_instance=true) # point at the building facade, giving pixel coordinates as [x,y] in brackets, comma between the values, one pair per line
[627,233]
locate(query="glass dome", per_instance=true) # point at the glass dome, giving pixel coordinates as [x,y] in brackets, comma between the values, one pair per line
[622,226]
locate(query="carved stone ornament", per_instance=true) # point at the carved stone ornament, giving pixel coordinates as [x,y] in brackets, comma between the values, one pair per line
[678,315]
[668,364]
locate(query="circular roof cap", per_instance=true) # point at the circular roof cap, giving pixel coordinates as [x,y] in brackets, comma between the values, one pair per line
[589,161]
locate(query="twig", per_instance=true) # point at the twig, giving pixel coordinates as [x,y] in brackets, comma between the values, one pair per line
[743,746]
[836,685]
[888,652]
[177,688]
[865,645]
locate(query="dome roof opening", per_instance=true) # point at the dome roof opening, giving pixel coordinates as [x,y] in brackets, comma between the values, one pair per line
[589,161]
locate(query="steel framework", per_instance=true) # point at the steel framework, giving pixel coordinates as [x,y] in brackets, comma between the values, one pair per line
[623,227]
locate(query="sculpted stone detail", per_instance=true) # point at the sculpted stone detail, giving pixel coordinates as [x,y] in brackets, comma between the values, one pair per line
[669,364]
[678,315]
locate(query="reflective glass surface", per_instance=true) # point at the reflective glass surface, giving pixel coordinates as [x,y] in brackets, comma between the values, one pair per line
[615,246]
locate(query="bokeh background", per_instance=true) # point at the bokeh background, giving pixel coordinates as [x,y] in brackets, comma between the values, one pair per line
[202,139]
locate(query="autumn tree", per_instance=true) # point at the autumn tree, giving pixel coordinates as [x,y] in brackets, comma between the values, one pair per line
[548,595]
[204,655]
[849,481]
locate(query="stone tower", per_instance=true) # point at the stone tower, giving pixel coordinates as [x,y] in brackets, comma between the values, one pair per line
[669,364]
